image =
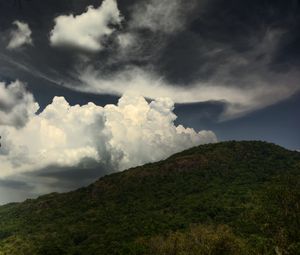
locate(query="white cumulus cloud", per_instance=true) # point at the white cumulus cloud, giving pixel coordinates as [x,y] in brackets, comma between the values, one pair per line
[120,136]
[88,30]
[20,35]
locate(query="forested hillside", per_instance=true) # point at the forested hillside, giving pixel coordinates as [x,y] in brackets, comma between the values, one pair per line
[224,198]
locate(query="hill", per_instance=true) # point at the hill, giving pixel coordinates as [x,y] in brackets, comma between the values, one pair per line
[224,198]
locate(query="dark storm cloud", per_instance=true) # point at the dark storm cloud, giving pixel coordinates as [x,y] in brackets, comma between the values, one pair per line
[53,178]
[15,190]
[71,174]
[67,178]
[13,184]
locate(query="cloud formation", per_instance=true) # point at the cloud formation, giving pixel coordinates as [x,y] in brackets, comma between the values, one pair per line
[257,92]
[160,15]
[16,104]
[88,30]
[214,71]
[114,137]
[165,49]
[19,36]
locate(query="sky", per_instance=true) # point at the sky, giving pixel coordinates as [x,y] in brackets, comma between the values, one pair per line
[91,87]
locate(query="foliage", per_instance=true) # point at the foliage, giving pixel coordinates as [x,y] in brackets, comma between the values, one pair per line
[197,240]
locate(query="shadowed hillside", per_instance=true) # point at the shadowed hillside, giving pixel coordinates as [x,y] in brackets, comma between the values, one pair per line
[224,198]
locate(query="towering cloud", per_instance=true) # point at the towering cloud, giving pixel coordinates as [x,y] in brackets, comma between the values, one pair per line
[88,30]
[19,36]
[119,136]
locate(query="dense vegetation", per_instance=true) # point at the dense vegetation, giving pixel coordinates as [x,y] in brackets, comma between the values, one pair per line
[225,198]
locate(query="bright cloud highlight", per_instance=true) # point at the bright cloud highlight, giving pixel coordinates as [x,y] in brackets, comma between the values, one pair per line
[88,30]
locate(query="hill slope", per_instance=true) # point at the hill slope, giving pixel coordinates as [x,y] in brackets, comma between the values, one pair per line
[235,197]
